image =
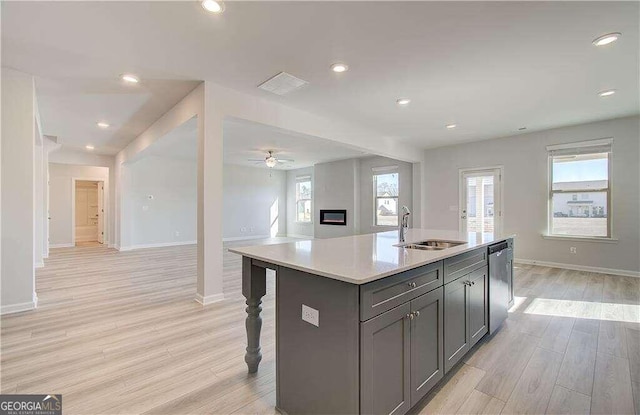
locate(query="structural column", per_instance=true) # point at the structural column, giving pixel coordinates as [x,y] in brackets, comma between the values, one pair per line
[210,214]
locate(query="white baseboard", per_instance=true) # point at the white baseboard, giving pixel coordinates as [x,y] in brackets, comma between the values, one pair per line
[62,245]
[160,245]
[18,308]
[245,238]
[210,299]
[38,264]
[295,235]
[611,271]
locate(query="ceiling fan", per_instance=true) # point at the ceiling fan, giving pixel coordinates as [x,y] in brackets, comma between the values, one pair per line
[271,160]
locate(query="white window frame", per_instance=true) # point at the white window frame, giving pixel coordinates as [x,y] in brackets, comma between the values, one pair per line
[376,171]
[301,179]
[603,145]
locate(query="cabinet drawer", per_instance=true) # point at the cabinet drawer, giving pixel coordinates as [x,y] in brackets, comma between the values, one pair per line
[387,293]
[460,265]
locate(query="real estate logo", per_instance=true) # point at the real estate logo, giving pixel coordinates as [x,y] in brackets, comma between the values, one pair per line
[30,404]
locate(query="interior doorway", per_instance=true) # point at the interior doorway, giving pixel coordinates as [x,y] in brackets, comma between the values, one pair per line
[88,211]
[481,200]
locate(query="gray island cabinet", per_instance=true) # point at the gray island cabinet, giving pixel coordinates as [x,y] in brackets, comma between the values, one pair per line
[364,326]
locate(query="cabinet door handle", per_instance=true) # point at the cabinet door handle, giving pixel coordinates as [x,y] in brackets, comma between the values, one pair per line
[410,316]
[412,285]
[417,313]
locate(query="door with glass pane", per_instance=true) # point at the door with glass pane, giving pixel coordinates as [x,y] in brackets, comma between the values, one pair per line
[480,200]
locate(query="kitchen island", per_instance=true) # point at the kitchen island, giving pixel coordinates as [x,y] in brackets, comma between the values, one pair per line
[364,325]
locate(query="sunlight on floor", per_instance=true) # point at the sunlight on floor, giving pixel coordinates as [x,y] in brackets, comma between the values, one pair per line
[629,313]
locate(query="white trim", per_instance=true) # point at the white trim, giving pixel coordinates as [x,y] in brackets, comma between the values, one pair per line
[18,308]
[382,169]
[53,246]
[39,264]
[581,238]
[245,238]
[587,143]
[611,271]
[209,299]
[295,235]
[160,245]
[113,246]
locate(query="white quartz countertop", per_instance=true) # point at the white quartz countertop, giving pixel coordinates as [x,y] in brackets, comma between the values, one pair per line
[364,258]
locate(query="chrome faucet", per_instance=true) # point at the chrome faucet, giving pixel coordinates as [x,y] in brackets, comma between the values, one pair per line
[404,223]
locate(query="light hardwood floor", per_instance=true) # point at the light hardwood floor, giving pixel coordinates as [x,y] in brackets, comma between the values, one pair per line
[119,332]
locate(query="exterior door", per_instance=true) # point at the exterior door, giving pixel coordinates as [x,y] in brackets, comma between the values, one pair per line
[385,363]
[427,354]
[480,200]
[101,212]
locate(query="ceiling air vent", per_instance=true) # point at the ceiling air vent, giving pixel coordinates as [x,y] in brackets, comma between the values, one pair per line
[282,84]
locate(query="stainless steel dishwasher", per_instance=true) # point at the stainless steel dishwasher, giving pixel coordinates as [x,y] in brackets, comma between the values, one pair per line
[499,273]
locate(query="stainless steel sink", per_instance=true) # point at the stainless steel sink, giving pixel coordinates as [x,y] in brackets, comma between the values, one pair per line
[433,245]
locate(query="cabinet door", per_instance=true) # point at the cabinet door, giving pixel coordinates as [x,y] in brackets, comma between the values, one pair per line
[478,304]
[510,275]
[385,363]
[427,355]
[456,332]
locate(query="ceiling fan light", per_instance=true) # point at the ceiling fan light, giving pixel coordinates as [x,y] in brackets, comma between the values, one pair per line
[271,161]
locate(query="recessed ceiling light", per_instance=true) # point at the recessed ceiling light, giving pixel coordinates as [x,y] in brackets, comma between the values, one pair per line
[213,6]
[606,93]
[339,67]
[451,126]
[89,147]
[606,39]
[103,124]
[403,101]
[132,79]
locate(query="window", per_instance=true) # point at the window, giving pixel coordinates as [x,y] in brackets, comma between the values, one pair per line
[580,169]
[385,196]
[303,199]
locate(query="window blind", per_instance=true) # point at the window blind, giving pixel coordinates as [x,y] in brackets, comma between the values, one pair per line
[582,147]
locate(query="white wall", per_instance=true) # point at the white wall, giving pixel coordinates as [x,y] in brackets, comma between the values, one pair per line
[405,195]
[348,184]
[170,217]
[17,199]
[87,159]
[254,202]
[336,187]
[61,195]
[524,158]
[294,228]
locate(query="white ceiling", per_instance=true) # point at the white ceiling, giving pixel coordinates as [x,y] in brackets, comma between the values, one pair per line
[245,140]
[490,67]
[70,109]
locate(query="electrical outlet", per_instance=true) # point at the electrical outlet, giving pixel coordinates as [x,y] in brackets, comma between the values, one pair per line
[310,315]
[573,250]
[177,233]
[243,229]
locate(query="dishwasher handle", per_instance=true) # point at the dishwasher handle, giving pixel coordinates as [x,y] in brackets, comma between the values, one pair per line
[501,246]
